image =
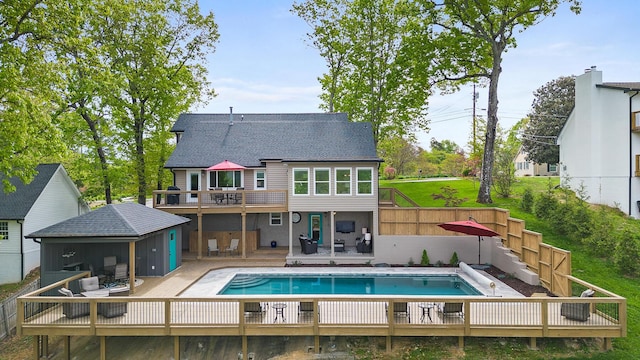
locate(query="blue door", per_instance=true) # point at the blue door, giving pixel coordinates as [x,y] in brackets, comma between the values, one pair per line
[315,227]
[172,250]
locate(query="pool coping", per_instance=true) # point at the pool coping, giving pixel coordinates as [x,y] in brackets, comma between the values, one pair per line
[210,284]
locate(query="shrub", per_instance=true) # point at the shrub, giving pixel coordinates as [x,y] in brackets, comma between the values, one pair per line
[425,258]
[526,204]
[603,232]
[389,173]
[454,259]
[449,195]
[627,252]
[546,203]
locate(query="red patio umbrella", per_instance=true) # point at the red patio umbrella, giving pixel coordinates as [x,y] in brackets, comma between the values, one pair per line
[470,228]
[225,166]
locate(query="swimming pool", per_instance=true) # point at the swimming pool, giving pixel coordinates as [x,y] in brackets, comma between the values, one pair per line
[345,284]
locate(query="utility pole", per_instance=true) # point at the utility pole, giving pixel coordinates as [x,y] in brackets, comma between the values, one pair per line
[475,99]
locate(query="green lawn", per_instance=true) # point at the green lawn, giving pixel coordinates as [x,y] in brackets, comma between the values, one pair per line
[596,270]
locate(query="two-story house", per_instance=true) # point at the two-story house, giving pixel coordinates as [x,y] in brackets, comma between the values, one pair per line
[267,179]
[51,197]
[600,142]
[526,167]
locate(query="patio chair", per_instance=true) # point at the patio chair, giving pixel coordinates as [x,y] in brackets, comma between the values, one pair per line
[399,309]
[238,195]
[213,246]
[120,272]
[89,284]
[75,309]
[233,247]
[109,266]
[305,308]
[218,196]
[254,309]
[451,309]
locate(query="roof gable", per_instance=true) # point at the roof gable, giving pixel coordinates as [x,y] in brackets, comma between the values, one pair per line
[114,220]
[16,205]
[249,139]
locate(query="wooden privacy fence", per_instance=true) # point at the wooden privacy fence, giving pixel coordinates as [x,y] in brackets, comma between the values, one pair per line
[553,265]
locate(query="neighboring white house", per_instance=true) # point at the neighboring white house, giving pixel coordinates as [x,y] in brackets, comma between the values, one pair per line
[526,167]
[600,142]
[50,198]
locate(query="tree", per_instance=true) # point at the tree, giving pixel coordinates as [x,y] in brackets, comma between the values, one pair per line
[551,107]
[377,70]
[507,147]
[470,38]
[399,153]
[135,66]
[28,81]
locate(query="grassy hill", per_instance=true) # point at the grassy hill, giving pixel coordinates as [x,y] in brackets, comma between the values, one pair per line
[596,270]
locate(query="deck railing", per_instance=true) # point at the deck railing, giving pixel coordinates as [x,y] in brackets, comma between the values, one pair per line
[325,315]
[218,198]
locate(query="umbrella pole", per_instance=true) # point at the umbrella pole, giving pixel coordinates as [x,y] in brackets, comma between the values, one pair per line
[479,250]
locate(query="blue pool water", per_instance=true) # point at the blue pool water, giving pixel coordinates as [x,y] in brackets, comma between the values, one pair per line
[257,284]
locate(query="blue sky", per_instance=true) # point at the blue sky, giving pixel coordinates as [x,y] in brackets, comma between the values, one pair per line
[262,63]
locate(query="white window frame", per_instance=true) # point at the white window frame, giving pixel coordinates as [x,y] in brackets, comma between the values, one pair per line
[293,179]
[256,179]
[4,230]
[336,181]
[358,181]
[275,219]
[315,181]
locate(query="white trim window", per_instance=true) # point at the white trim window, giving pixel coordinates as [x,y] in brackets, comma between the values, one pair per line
[301,181]
[275,219]
[193,184]
[260,180]
[364,181]
[343,181]
[322,181]
[4,230]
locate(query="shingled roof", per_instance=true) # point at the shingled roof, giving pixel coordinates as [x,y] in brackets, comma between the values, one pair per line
[16,205]
[628,86]
[114,220]
[250,139]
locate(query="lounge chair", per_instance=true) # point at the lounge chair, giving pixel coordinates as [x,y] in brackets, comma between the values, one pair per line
[233,247]
[75,309]
[399,309]
[577,311]
[213,246]
[451,309]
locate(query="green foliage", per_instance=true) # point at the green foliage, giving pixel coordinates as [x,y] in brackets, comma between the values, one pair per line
[371,48]
[425,258]
[627,252]
[454,261]
[603,235]
[546,203]
[550,110]
[449,195]
[526,204]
